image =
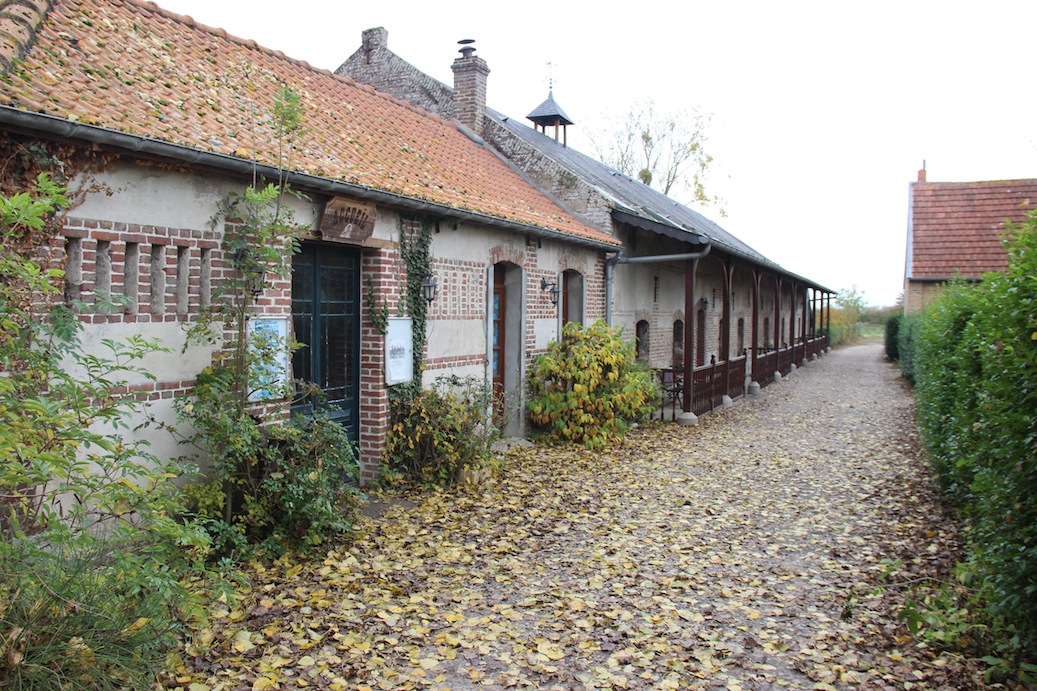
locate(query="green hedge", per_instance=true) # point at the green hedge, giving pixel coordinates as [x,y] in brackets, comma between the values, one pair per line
[975,366]
[906,335]
[892,336]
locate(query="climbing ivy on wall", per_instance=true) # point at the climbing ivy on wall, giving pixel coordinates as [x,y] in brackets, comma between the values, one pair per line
[415,239]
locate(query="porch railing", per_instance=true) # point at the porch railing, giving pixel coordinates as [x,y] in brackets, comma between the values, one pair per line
[711,382]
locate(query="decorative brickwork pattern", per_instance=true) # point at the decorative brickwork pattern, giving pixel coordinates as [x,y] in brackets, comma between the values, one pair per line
[126,271]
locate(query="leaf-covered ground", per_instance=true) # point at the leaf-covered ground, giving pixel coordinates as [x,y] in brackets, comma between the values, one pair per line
[743,553]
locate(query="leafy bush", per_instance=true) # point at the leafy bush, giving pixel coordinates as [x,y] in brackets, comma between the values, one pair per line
[946,369]
[272,487]
[588,387]
[976,375]
[90,553]
[892,336]
[441,434]
[906,336]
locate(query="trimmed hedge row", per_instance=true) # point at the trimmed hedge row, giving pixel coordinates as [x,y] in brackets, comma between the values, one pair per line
[973,358]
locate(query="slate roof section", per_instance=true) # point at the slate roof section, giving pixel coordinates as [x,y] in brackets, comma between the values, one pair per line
[956,228]
[633,196]
[138,69]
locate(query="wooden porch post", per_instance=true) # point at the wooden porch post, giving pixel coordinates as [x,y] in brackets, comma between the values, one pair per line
[725,338]
[754,339]
[828,319]
[803,324]
[691,267]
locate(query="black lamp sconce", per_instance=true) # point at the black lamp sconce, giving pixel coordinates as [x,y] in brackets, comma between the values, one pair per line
[704,304]
[253,271]
[429,288]
[552,288]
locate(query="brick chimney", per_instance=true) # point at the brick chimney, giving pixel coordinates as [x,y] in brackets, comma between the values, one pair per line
[470,74]
[373,39]
[921,173]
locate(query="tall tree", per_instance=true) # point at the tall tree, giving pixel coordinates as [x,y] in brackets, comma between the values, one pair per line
[664,150]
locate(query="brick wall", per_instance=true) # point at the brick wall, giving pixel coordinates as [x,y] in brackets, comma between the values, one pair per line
[379,272]
[376,65]
[919,294]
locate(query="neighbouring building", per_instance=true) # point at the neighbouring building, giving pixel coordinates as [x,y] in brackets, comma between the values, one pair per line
[956,231]
[711,313]
[159,118]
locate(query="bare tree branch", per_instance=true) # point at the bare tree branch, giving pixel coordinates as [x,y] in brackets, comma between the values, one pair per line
[662,150]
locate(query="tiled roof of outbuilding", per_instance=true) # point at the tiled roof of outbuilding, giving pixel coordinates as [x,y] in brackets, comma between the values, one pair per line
[956,228]
[141,70]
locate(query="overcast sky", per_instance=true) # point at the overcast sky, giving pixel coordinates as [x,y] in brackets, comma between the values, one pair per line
[822,112]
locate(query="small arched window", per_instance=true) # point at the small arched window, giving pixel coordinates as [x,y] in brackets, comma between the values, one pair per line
[678,344]
[641,341]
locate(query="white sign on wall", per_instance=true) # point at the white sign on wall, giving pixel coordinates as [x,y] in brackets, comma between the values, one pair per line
[399,351]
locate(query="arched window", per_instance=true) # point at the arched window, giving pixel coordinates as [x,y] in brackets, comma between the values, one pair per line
[678,344]
[572,297]
[700,338]
[642,342]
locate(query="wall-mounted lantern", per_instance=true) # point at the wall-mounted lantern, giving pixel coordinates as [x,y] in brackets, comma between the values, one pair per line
[252,270]
[429,287]
[552,288]
[704,304]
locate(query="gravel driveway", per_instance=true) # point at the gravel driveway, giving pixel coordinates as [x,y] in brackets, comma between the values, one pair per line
[744,553]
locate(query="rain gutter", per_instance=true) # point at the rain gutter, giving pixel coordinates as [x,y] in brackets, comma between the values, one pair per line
[60,127]
[618,258]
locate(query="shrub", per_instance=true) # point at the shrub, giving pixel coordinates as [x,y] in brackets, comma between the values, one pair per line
[906,336]
[945,372]
[976,375]
[892,336]
[442,433]
[90,553]
[273,487]
[588,388]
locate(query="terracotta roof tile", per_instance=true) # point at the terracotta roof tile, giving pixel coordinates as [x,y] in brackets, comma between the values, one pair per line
[957,227]
[143,70]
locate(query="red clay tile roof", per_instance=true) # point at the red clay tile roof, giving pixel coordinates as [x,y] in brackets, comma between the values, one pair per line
[956,227]
[136,68]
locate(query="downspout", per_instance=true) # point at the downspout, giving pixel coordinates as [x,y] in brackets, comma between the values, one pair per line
[618,258]
[610,264]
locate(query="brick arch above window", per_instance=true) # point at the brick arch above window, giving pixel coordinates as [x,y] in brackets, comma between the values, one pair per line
[507,253]
[569,262]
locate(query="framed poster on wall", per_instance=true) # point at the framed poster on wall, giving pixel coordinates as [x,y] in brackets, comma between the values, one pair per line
[399,351]
[270,335]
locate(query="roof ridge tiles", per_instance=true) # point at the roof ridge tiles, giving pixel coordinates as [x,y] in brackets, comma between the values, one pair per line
[280,55]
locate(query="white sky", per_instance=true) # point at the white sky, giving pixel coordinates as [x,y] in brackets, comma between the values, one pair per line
[822,112]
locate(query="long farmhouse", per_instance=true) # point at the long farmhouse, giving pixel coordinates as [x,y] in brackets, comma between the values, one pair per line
[159,118]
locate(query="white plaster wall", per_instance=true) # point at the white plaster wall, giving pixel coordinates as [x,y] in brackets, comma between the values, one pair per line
[455,337]
[173,365]
[545,331]
[151,196]
[471,242]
